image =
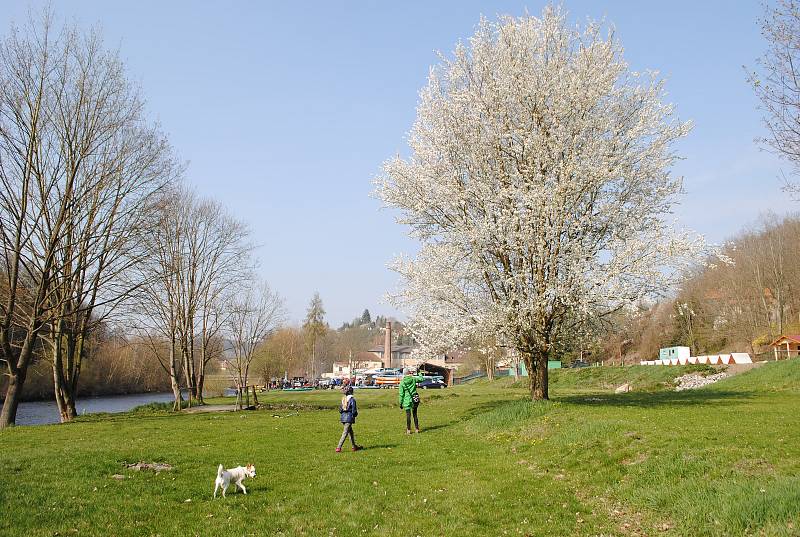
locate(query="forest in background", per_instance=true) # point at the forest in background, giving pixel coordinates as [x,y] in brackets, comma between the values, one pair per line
[740,306]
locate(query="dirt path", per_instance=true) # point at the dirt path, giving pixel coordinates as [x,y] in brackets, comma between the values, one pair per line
[741,368]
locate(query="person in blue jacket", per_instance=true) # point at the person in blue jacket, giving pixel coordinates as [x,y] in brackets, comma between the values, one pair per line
[348,410]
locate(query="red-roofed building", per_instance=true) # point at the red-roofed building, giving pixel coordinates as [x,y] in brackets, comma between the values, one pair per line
[786,346]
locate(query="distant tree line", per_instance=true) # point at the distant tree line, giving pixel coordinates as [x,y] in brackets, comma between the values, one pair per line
[720,307]
[289,351]
[115,364]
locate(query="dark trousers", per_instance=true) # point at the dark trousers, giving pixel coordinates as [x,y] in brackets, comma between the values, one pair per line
[409,412]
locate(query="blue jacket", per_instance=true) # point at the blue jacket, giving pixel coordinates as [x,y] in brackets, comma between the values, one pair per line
[348,415]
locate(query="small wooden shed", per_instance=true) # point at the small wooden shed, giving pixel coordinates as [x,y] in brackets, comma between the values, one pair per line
[786,346]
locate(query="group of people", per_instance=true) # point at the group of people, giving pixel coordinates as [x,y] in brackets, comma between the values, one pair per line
[409,401]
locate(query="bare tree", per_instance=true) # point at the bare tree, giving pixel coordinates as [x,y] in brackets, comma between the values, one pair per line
[348,342]
[78,164]
[220,254]
[777,81]
[198,255]
[254,315]
[285,351]
[157,310]
[26,64]
[116,165]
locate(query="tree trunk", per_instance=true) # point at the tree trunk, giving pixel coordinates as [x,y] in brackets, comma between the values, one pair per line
[536,364]
[58,369]
[17,371]
[191,374]
[489,361]
[76,350]
[173,377]
[540,389]
[8,416]
[239,388]
[64,379]
[65,404]
[246,389]
[186,369]
[201,370]
[65,395]
[176,393]
[201,380]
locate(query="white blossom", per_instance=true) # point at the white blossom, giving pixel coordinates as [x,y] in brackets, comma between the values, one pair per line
[539,187]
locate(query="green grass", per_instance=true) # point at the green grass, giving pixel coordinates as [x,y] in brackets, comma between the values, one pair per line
[640,377]
[723,460]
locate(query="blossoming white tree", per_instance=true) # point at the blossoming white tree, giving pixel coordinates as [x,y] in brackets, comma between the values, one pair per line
[539,186]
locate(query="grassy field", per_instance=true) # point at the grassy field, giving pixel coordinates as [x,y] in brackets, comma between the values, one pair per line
[722,460]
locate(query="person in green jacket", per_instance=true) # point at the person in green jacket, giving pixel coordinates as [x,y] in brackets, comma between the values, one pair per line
[409,399]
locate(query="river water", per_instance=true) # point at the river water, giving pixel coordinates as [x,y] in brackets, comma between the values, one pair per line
[42,412]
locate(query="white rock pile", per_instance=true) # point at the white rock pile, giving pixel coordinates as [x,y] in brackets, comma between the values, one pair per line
[692,381]
[625,388]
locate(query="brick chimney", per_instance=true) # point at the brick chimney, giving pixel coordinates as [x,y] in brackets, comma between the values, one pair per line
[387,346]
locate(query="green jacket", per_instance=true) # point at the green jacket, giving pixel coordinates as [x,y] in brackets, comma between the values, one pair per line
[408,387]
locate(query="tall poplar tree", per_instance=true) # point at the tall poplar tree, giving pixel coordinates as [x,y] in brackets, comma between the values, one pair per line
[314,328]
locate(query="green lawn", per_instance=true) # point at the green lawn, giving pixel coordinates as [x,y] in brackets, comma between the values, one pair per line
[723,460]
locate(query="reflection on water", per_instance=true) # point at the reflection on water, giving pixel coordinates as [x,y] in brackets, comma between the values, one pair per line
[42,412]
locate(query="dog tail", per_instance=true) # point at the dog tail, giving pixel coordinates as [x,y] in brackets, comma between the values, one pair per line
[219,471]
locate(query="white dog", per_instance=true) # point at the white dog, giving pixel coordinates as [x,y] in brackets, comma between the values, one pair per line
[237,475]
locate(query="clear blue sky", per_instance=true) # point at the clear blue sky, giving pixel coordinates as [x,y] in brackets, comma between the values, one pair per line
[286,110]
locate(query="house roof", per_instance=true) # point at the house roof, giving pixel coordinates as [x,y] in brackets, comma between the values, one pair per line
[365,356]
[395,348]
[359,357]
[794,338]
[430,363]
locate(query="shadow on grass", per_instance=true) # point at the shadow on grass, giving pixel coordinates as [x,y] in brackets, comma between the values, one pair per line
[483,408]
[424,429]
[462,418]
[658,399]
[378,446]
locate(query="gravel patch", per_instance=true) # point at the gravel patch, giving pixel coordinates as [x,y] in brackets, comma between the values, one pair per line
[693,381]
[154,466]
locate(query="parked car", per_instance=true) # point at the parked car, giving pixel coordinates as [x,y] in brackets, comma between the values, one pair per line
[579,363]
[431,384]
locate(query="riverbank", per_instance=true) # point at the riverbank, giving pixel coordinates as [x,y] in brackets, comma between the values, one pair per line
[46,412]
[48,398]
[107,373]
[720,460]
